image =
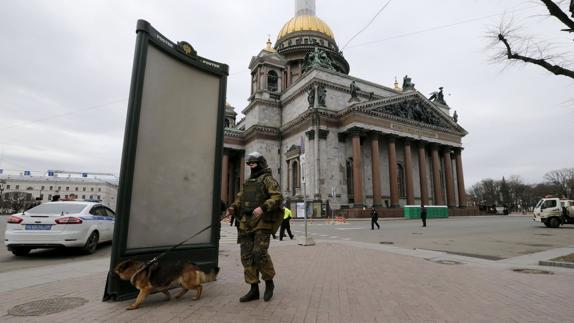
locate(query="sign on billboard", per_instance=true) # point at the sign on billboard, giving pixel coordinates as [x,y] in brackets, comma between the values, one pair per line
[170,172]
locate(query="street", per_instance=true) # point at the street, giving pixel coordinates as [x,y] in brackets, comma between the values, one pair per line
[487,237]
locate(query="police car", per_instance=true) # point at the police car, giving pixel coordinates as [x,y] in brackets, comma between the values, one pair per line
[60,224]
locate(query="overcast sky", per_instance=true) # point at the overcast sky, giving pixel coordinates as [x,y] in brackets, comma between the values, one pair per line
[65,69]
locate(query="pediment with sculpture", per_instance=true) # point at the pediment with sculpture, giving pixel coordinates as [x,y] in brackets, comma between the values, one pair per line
[414,108]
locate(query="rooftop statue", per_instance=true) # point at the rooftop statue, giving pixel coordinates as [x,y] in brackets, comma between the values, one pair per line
[311,96]
[317,58]
[322,95]
[438,97]
[407,84]
[354,90]
[455,117]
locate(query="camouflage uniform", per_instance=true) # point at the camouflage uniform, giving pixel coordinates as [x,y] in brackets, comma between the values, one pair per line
[260,190]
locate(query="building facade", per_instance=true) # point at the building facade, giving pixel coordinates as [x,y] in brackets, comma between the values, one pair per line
[44,188]
[330,136]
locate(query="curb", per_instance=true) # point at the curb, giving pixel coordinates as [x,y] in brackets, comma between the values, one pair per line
[556,263]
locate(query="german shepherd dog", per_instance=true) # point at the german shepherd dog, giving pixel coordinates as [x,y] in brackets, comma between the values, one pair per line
[161,277]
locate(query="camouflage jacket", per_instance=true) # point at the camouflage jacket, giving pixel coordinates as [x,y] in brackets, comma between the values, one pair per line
[271,205]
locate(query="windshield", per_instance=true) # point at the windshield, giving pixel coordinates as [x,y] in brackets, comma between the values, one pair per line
[56,208]
[539,202]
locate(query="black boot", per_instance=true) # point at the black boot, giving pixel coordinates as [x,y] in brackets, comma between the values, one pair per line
[269,286]
[251,295]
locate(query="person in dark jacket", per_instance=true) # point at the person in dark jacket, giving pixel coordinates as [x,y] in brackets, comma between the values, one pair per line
[424,215]
[374,219]
[258,209]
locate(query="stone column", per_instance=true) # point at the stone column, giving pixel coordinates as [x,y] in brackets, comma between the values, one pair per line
[231,183]
[288,75]
[376,170]
[392,153]
[438,198]
[409,173]
[423,174]
[357,170]
[450,198]
[225,177]
[241,171]
[460,178]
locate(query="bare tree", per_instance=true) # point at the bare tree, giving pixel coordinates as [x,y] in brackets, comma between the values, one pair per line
[563,179]
[515,47]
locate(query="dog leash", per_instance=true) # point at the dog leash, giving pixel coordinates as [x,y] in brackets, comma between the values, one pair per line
[161,255]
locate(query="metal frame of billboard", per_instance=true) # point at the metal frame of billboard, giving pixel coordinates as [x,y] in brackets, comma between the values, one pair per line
[204,254]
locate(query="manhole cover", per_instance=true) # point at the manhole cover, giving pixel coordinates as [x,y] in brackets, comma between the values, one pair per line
[447,262]
[386,242]
[47,306]
[532,271]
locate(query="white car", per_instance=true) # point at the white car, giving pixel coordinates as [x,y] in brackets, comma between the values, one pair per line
[60,224]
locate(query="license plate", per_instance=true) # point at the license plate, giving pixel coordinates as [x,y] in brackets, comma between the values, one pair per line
[38,226]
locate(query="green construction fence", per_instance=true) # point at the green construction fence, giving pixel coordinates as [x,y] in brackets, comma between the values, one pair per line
[433,211]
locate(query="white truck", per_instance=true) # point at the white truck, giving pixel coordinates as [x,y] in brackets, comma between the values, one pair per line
[554,212]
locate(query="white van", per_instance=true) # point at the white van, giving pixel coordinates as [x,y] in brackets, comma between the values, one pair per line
[554,212]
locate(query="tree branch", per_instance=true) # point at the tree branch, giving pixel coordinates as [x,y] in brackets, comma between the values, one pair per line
[555,11]
[555,69]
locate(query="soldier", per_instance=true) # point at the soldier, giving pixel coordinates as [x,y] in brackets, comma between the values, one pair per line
[258,209]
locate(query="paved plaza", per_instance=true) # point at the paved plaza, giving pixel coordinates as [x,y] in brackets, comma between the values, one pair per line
[336,280]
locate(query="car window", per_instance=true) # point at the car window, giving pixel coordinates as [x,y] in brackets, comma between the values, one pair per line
[549,203]
[98,210]
[109,211]
[56,208]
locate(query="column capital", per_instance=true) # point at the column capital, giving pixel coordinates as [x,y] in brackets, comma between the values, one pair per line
[421,143]
[446,148]
[357,132]
[390,137]
[374,134]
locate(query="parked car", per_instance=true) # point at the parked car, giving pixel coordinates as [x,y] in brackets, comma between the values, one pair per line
[60,224]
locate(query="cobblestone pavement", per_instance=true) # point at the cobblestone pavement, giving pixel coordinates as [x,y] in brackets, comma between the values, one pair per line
[332,281]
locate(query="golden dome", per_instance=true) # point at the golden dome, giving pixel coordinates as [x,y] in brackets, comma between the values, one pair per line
[305,23]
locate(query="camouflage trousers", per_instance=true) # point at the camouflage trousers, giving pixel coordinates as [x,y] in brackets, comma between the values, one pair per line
[254,256]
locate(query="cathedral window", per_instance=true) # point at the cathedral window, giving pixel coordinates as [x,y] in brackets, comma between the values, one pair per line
[295,177]
[298,41]
[305,40]
[272,80]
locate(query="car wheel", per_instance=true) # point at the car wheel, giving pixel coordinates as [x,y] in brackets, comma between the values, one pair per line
[92,243]
[547,224]
[554,222]
[20,251]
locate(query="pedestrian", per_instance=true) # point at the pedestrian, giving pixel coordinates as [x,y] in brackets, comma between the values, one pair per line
[258,209]
[374,219]
[424,215]
[285,225]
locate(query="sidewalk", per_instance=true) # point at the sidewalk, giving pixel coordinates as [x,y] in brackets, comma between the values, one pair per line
[328,282]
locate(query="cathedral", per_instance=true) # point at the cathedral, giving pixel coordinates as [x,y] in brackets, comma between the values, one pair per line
[331,138]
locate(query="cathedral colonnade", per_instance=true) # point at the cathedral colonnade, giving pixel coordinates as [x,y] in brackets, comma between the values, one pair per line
[402,176]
